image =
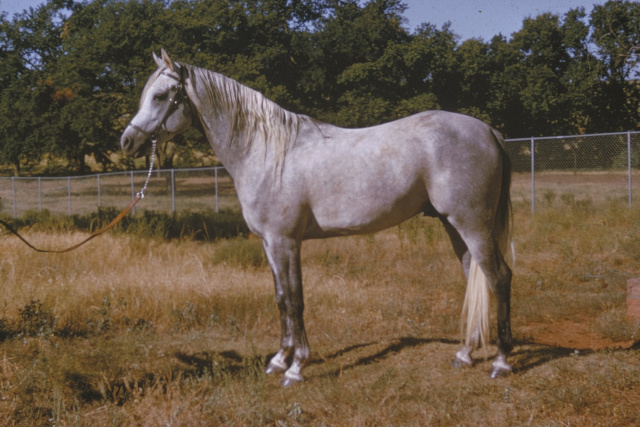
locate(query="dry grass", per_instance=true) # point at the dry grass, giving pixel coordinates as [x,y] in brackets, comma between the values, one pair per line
[130,331]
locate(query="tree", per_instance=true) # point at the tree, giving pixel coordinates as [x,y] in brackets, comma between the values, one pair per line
[582,74]
[71,72]
[345,82]
[617,36]
[28,46]
[107,47]
[545,60]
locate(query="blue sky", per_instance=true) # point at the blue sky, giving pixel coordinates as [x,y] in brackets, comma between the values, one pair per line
[487,18]
[469,18]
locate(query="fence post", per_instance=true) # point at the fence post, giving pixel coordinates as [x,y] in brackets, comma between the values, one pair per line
[629,161]
[533,179]
[173,191]
[133,193]
[69,193]
[216,188]
[99,195]
[13,195]
[39,194]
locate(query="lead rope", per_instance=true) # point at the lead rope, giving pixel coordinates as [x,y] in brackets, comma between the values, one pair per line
[116,220]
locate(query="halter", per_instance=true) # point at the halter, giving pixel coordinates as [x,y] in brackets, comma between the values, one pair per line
[174,101]
[179,97]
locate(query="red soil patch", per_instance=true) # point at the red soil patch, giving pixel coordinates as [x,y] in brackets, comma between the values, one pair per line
[569,334]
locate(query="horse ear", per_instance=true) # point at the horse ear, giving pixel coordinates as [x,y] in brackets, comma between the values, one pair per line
[157,60]
[167,61]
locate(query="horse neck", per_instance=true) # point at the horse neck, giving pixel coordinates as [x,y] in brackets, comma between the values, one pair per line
[242,126]
[223,141]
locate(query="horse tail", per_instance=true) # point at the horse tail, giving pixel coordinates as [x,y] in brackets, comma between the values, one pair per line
[502,224]
[475,310]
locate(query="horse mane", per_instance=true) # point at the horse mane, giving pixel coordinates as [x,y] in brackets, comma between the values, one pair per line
[253,117]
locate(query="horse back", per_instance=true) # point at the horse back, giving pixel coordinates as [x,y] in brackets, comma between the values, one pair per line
[364,180]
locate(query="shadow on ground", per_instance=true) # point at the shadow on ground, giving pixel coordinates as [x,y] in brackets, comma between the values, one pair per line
[526,356]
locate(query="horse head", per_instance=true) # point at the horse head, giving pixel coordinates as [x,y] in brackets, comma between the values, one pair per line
[164,110]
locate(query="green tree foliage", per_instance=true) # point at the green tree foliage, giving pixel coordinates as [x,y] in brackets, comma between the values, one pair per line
[29,48]
[616,33]
[71,71]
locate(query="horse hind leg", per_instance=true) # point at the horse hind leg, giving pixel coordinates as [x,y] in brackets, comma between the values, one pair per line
[487,258]
[462,357]
[503,297]
[474,320]
[497,275]
[498,280]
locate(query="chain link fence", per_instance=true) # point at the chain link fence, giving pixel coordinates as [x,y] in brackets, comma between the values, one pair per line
[168,190]
[576,171]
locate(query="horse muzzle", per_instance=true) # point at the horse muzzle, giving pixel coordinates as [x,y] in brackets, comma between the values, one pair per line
[133,142]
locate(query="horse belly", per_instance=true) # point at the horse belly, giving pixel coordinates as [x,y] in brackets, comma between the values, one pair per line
[359,209]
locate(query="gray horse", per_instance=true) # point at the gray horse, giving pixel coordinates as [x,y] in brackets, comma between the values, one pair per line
[298,178]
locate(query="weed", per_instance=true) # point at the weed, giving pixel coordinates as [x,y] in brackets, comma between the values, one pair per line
[139,325]
[102,322]
[549,197]
[582,207]
[613,324]
[328,259]
[568,199]
[185,318]
[418,228]
[35,320]
[240,252]
[630,244]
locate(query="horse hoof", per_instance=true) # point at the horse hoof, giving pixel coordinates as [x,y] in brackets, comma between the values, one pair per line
[275,367]
[457,363]
[291,379]
[500,369]
[461,360]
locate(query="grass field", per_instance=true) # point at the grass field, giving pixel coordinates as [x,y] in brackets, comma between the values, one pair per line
[139,331]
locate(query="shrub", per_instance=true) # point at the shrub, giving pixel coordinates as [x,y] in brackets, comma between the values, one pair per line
[240,252]
[203,226]
[35,320]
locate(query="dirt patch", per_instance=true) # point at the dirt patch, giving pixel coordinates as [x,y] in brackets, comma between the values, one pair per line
[570,334]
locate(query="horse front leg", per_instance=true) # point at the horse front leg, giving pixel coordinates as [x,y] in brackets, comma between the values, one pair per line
[284,259]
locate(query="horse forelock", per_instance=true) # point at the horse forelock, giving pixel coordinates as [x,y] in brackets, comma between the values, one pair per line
[253,117]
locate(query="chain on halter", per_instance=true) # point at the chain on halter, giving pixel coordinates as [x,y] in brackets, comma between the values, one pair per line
[179,97]
[154,143]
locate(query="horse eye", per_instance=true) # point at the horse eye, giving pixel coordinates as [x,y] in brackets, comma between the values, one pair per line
[161,96]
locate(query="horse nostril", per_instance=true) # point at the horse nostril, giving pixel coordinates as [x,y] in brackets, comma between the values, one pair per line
[127,144]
